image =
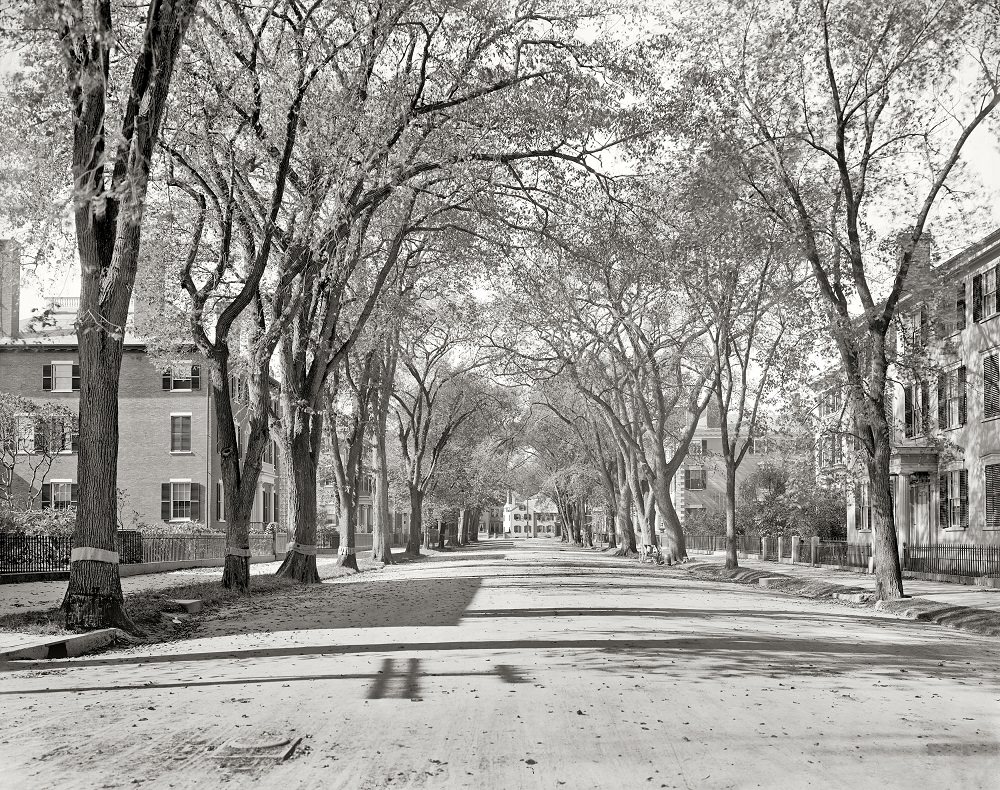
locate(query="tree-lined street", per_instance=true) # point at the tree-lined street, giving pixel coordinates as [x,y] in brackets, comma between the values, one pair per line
[520,665]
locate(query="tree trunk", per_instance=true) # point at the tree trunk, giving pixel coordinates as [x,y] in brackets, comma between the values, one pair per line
[731,559]
[240,475]
[676,546]
[94,596]
[381,518]
[300,461]
[416,521]
[885,546]
[347,528]
[441,534]
[623,522]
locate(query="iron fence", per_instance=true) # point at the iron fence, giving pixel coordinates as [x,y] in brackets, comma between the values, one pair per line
[21,553]
[840,552]
[745,544]
[957,560]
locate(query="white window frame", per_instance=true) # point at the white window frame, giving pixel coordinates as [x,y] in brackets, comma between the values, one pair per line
[990,304]
[190,449]
[62,363]
[52,493]
[25,441]
[954,506]
[175,482]
[174,379]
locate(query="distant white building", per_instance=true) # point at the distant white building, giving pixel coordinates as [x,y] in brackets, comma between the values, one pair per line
[529,517]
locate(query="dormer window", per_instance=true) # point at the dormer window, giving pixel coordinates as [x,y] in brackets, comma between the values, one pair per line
[182,377]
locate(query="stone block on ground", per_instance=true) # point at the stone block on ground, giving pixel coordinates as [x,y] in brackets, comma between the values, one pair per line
[191,606]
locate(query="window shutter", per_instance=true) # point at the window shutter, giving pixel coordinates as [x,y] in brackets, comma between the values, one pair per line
[165,504]
[46,377]
[277,512]
[963,495]
[992,496]
[908,412]
[960,307]
[991,386]
[687,479]
[963,414]
[196,377]
[925,406]
[942,397]
[168,380]
[196,501]
[46,495]
[76,378]
[977,298]
[925,327]
[74,490]
[943,521]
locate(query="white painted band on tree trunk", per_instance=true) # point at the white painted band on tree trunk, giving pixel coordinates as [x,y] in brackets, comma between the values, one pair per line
[345,550]
[96,555]
[301,548]
[239,552]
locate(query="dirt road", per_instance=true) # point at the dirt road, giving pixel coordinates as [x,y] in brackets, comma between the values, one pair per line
[519,666]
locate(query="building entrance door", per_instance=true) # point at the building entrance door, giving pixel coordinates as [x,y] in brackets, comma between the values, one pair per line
[920,511]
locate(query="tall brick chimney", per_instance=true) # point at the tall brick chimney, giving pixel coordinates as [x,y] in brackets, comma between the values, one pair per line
[10,288]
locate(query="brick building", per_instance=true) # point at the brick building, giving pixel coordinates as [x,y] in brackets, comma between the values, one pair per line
[168,465]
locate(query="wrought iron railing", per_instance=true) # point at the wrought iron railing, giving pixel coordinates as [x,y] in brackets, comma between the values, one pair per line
[21,553]
[840,552]
[952,559]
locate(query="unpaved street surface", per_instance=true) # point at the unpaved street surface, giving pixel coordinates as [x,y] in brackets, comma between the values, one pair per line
[524,665]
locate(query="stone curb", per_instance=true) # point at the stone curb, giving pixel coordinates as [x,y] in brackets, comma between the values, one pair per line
[63,646]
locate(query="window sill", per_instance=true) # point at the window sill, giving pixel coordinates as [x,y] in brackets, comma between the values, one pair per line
[180,521]
[991,419]
[182,452]
[956,529]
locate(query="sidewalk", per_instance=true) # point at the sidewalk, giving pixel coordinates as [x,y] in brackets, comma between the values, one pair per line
[975,609]
[942,592]
[30,596]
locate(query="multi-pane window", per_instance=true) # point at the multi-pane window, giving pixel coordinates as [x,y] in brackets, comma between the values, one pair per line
[864,499]
[916,403]
[182,377]
[46,435]
[265,502]
[831,450]
[59,494]
[269,452]
[954,499]
[830,404]
[951,398]
[180,501]
[698,447]
[61,377]
[180,433]
[916,329]
[991,386]
[694,479]
[984,295]
[992,496]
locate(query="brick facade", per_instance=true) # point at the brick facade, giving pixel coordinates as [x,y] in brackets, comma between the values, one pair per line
[146,461]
